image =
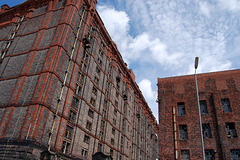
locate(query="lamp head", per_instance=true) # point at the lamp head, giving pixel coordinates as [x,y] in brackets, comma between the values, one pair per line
[196,62]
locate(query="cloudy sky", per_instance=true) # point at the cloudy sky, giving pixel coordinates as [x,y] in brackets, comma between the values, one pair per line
[161,38]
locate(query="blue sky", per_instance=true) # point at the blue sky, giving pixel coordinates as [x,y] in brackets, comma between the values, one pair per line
[160,38]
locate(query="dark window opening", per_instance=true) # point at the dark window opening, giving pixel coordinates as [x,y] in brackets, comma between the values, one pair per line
[183,132]
[231,131]
[226,105]
[206,131]
[235,154]
[209,154]
[203,107]
[185,155]
[181,109]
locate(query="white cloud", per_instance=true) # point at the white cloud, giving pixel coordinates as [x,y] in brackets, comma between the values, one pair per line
[232,5]
[146,88]
[167,35]
[205,8]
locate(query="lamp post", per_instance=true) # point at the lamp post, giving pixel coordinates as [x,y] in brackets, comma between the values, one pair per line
[199,110]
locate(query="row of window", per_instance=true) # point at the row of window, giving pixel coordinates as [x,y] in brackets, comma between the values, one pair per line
[210,154]
[203,107]
[230,130]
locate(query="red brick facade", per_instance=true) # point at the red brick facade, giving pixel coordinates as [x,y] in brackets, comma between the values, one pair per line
[219,94]
[65,88]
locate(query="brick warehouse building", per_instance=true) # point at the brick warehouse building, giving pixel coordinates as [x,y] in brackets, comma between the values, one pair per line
[65,89]
[180,137]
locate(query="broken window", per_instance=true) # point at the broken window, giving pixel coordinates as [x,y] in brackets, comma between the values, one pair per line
[65,147]
[226,105]
[68,132]
[80,77]
[185,155]
[94,90]
[92,101]
[183,132]
[209,154]
[206,131]
[86,139]
[72,116]
[90,113]
[84,152]
[181,109]
[231,132]
[78,89]
[203,107]
[89,125]
[235,154]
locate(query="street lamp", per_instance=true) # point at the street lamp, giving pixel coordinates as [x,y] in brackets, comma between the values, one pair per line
[199,110]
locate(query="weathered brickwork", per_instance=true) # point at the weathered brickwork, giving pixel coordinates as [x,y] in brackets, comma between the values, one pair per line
[65,89]
[214,88]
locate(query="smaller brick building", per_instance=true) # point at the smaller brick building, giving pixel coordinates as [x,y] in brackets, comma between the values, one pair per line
[180,137]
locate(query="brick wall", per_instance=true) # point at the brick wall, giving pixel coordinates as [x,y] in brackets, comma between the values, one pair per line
[212,88]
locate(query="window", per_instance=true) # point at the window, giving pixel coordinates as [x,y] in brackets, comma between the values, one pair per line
[121,139]
[206,131]
[113,131]
[99,62]
[226,105]
[89,125]
[185,155]
[183,132]
[3,54]
[90,113]
[209,154]
[99,147]
[104,113]
[84,152]
[85,56]
[80,77]
[203,107]
[96,80]
[75,102]
[92,101]
[111,152]
[115,112]
[83,67]
[105,103]
[86,139]
[231,132]
[114,121]
[68,132]
[65,147]
[94,90]
[235,154]
[102,124]
[72,116]
[100,52]
[11,36]
[78,89]
[116,103]
[181,109]
[98,70]
[112,141]
[117,94]
[101,135]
